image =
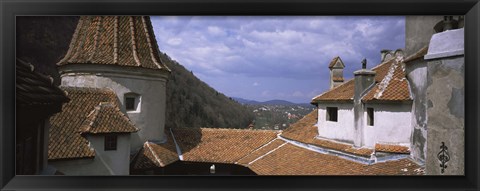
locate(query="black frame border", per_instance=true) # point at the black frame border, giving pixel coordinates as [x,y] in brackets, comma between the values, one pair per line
[9,9]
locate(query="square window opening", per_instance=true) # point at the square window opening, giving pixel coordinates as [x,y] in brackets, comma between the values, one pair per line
[110,142]
[332,114]
[370,116]
[130,103]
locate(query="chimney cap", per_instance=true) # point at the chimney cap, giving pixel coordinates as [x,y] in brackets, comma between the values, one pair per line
[364,63]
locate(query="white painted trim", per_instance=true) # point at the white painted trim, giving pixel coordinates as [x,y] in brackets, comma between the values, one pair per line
[179,151]
[256,150]
[113,71]
[267,153]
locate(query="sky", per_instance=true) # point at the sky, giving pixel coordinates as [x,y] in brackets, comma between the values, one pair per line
[276,57]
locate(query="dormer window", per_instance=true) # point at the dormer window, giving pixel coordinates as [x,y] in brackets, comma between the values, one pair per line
[132,102]
[332,113]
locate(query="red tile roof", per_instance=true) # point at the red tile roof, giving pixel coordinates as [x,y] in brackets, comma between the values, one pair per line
[153,155]
[220,145]
[114,40]
[65,141]
[293,160]
[391,85]
[391,148]
[260,152]
[33,88]
[334,61]
[107,118]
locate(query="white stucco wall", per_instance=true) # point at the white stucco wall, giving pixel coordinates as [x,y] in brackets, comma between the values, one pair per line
[148,84]
[343,129]
[392,124]
[115,162]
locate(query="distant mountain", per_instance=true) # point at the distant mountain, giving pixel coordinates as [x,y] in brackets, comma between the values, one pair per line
[270,102]
[44,40]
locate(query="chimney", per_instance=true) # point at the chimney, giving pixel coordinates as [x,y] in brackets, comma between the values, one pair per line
[336,72]
[385,55]
[364,78]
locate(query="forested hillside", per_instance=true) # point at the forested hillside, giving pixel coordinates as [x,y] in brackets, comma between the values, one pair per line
[43,41]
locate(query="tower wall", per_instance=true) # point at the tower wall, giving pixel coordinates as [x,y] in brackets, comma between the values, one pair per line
[149,85]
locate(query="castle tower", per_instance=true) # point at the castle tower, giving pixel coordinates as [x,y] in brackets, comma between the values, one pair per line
[336,72]
[121,53]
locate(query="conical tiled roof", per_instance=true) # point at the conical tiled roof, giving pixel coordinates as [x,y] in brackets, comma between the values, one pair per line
[114,40]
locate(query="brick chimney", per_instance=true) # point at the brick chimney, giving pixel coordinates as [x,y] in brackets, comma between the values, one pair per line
[336,67]
[364,79]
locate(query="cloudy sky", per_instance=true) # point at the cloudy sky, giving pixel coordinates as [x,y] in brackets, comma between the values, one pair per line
[265,58]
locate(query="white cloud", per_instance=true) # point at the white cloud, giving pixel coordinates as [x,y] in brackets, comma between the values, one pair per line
[174,41]
[295,48]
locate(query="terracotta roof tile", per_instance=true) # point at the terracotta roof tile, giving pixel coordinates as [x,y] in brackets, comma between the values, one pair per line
[334,61]
[390,82]
[389,148]
[114,40]
[260,152]
[65,141]
[220,145]
[304,131]
[393,87]
[107,118]
[153,155]
[33,88]
[293,160]
[337,79]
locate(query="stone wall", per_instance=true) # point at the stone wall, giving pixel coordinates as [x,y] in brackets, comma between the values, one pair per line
[445,99]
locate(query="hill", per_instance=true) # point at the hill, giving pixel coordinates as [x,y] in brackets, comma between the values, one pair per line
[43,41]
[270,102]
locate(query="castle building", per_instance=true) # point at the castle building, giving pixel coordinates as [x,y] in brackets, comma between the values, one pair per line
[370,110]
[117,86]
[121,53]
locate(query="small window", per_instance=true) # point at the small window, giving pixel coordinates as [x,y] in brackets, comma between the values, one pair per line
[110,142]
[370,117]
[332,113]
[132,102]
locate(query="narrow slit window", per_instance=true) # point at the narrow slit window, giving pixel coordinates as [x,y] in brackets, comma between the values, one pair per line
[370,116]
[110,142]
[332,114]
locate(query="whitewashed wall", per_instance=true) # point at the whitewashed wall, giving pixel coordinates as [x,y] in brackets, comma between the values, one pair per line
[114,162]
[343,129]
[150,85]
[392,124]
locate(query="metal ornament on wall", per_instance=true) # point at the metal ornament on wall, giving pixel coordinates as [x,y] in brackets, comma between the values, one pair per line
[443,157]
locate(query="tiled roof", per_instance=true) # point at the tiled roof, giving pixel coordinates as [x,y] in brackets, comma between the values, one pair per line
[304,131]
[65,141]
[391,85]
[220,145]
[334,61]
[114,40]
[389,148]
[33,88]
[260,152]
[293,160]
[337,79]
[154,155]
[107,118]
